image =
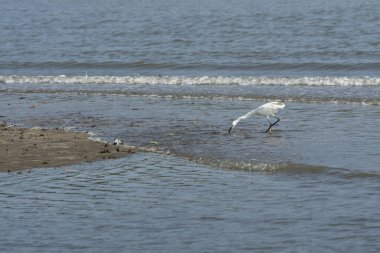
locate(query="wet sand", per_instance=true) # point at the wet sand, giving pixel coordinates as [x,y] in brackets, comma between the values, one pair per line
[26,148]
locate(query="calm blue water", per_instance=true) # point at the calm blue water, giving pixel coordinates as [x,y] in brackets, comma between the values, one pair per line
[170,77]
[242,37]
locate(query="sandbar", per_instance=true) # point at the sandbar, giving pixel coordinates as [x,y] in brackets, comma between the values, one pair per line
[27,148]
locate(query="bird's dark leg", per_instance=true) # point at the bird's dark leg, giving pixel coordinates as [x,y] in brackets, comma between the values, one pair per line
[271,125]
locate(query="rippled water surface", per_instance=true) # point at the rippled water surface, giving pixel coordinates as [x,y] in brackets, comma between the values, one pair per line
[154,203]
[170,77]
[243,37]
[312,183]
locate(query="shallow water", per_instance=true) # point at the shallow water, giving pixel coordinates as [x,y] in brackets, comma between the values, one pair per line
[311,184]
[155,203]
[337,136]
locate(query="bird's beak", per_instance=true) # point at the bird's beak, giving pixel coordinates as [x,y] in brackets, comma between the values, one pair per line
[229,131]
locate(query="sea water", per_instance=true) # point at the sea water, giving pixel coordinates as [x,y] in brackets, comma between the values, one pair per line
[170,77]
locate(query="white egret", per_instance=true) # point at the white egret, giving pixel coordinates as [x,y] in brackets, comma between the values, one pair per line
[268,109]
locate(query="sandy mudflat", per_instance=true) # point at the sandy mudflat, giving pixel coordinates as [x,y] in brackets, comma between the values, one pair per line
[24,148]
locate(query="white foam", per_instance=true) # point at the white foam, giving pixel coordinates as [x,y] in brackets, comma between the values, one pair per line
[197,80]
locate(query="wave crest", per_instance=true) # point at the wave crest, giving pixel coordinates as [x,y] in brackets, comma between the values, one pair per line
[196,80]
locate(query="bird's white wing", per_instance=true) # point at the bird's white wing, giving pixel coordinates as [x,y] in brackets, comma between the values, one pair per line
[270,108]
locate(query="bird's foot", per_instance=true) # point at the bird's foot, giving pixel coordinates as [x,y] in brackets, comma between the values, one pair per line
[269,130]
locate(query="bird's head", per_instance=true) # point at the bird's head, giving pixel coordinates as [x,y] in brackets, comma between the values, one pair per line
[234,123]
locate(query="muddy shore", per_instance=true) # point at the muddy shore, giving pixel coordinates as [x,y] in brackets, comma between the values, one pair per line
[26,148]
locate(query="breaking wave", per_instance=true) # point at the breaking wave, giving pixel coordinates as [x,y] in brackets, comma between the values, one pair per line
[196,80]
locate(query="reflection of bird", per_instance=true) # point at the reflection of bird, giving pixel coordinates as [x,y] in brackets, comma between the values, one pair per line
[268,109]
